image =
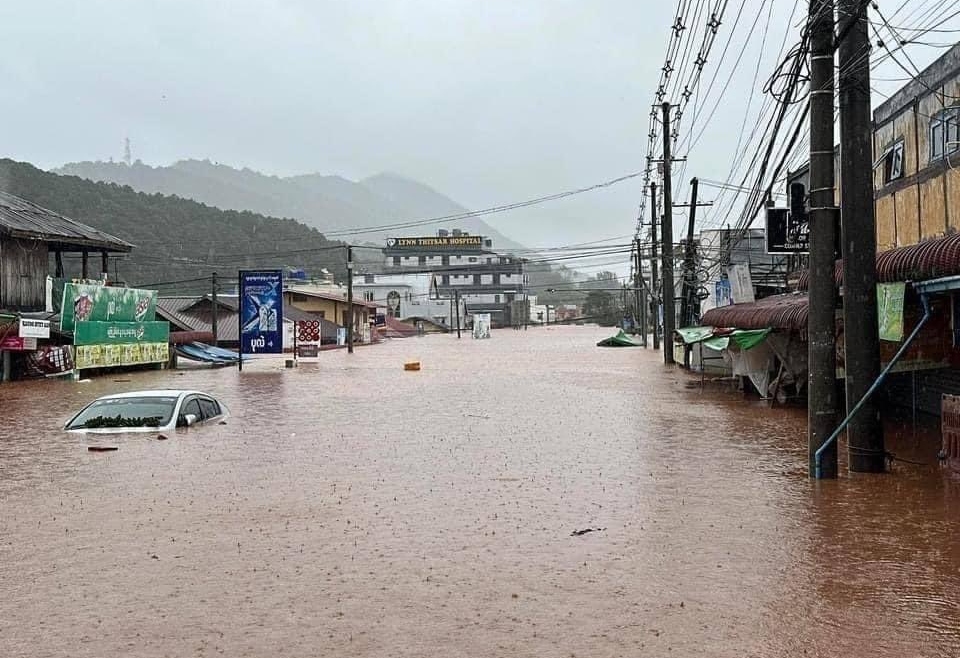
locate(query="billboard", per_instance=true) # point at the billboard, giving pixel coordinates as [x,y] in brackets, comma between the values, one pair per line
[120,354]
[94,302]
[261,312]
[450,242]
[120,333]
[784,234]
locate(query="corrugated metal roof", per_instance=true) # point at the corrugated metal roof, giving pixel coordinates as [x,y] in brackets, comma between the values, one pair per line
[788,312]
[930,259]
[24,219]
[330,296]
[195,314]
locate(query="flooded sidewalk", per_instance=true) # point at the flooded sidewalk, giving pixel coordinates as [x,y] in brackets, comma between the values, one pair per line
[356,509]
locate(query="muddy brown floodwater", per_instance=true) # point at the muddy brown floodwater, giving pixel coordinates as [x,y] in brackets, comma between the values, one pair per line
[355,509]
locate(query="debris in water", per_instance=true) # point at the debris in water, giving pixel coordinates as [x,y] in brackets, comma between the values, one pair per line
[577,533]
[102,448]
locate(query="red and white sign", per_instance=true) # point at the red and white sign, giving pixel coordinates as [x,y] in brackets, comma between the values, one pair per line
[308,331]
[18,344]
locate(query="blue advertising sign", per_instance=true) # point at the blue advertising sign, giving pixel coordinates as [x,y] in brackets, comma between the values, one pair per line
[723,293]
[261,312]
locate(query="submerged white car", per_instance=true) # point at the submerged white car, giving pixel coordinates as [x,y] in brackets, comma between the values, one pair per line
[147,411]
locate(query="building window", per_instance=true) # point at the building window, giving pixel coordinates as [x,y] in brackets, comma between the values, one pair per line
[944,132]
[489,261]
[936,137]
[421,260]
[893,162]
[496,299]
[396,260]
[473,259]
[444,260]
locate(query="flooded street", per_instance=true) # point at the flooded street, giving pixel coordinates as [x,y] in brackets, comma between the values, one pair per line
[355,509]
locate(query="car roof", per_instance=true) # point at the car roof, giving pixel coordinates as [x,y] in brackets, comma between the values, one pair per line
[154,393]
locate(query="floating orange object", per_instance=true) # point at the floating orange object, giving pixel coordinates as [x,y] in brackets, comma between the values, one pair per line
[411,365]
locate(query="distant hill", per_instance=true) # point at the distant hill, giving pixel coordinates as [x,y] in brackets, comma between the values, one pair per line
[327,203]
[176,238]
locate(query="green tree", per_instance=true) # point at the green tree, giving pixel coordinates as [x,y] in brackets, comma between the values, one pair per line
[602,306]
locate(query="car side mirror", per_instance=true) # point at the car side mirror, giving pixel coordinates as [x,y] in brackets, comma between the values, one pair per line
[190,419]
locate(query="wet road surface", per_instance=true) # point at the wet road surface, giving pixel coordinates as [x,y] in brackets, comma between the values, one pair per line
[355,509]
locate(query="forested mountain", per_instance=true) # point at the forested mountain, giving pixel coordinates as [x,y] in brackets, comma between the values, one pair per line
[328,203]
[175,238]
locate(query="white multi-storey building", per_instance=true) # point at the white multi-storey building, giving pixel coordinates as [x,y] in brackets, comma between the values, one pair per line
[465,268]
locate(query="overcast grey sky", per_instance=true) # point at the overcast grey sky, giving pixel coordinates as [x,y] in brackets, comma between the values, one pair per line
[489,102]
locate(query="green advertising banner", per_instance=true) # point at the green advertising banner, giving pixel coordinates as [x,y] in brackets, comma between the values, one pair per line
[94,302]
[131,354]
[119,333]
[890,310]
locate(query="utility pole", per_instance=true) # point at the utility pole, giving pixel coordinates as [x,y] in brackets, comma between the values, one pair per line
[214,316]
[821,353]
[858,228]
[653,265]
[349,321]
[666,235]
[456,296]
[686,301]
[639,316]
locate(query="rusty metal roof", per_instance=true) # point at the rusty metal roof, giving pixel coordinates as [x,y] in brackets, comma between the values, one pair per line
[24,219]
[195,314]
[930,259]
[785,312]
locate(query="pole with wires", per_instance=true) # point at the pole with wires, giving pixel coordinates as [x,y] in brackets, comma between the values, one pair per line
[860,324]
[653,266]
[349,315]
[821,350]
[666,236]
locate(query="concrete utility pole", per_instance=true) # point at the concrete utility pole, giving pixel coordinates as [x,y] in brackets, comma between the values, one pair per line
[653,266]
[860,330]
[456,295]
[666,235]
[215,313]
[640,297]
[689,261]
[349,321]
[821,323]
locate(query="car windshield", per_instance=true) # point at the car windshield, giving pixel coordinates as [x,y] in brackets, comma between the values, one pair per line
[153,411]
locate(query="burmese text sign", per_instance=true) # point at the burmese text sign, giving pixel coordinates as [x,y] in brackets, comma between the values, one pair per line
[261,312]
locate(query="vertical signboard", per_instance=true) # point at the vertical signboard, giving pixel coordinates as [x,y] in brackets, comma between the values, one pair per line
[261,312]
[741,284]
[481,325]
[890,310]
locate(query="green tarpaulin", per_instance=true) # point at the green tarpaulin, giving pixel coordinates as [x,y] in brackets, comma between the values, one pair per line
[620,340]
[692,335]
[745,339]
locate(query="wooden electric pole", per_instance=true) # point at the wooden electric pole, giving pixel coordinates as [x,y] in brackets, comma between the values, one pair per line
[349,321]
[821,323]
[859,245]
[666,237]
[654,265]
[214,315]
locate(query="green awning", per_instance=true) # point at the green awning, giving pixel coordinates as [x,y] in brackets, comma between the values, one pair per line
[749,338]
[691,335]
[717,343]
[745,339]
